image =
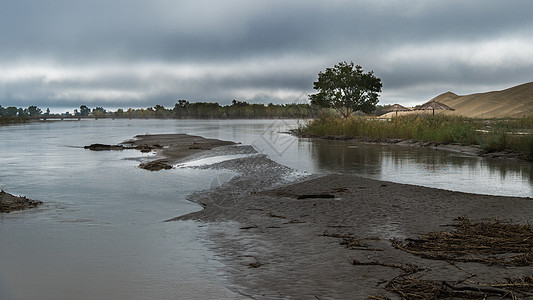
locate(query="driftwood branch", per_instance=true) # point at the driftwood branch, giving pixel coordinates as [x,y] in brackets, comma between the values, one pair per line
[489,290]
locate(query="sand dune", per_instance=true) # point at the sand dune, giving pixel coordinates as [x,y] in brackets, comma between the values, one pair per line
[512,102]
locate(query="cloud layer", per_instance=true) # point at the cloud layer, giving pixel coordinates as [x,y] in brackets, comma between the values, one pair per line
[133,53]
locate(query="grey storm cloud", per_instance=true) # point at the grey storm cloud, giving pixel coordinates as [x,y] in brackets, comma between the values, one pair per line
[135,53]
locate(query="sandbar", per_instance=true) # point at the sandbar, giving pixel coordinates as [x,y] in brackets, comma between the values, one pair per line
[171,148]
[284,234]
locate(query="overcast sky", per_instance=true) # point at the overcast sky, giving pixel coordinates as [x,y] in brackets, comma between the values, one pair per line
[133,53]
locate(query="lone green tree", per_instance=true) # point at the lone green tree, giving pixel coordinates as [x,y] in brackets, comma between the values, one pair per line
[347,88]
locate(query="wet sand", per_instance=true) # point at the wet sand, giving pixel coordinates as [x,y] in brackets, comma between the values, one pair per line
[278,231]
[177,147]
[10,203]
[285,235]
[172,148]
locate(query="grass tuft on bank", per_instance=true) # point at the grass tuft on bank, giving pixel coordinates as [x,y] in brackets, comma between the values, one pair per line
[492,135]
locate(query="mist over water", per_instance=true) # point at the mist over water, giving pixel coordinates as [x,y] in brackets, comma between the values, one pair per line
[101,233]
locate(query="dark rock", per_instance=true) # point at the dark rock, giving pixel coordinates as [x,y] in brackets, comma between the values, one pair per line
[103,147]
[155,166]
[144,148]
[147,148]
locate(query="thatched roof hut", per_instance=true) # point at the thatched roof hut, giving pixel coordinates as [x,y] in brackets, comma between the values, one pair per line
[396,108]
[433,105]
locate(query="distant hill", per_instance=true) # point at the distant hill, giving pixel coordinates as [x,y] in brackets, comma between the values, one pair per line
[512,102]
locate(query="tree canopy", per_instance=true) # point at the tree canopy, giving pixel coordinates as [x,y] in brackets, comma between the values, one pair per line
[84,111]
[347,88]
[182,109]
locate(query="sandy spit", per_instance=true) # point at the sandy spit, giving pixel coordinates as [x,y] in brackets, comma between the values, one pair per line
[9,202]
[172,148]
[275,229]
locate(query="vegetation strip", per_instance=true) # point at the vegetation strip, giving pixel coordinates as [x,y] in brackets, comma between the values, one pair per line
[491,135]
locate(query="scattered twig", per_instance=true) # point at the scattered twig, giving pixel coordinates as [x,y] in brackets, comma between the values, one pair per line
[353,243]
[340,226]
[294,221]
[315,196]
[475,242]
[270,214]
[477,289]
[377,298]
[407,268]
[248,227]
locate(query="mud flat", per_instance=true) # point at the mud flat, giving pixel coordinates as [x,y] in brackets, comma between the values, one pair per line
[9,202]
[298,241]
[284,234]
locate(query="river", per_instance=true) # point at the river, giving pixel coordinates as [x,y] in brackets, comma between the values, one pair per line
[101,235]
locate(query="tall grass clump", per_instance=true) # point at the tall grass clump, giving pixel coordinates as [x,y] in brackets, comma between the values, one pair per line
[441,128]
[491,135]
[509,134]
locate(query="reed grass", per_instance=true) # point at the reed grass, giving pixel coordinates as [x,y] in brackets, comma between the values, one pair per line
[491,135]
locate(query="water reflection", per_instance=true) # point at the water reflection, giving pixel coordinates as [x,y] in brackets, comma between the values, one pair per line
[342,157]
[440,169]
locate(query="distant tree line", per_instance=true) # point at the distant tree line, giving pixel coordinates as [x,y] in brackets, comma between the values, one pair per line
[182,109]
[13,114]
[31,111]
[213,110]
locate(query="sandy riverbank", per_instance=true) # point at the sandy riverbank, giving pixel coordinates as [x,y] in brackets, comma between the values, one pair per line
[283,234]
[287,244]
